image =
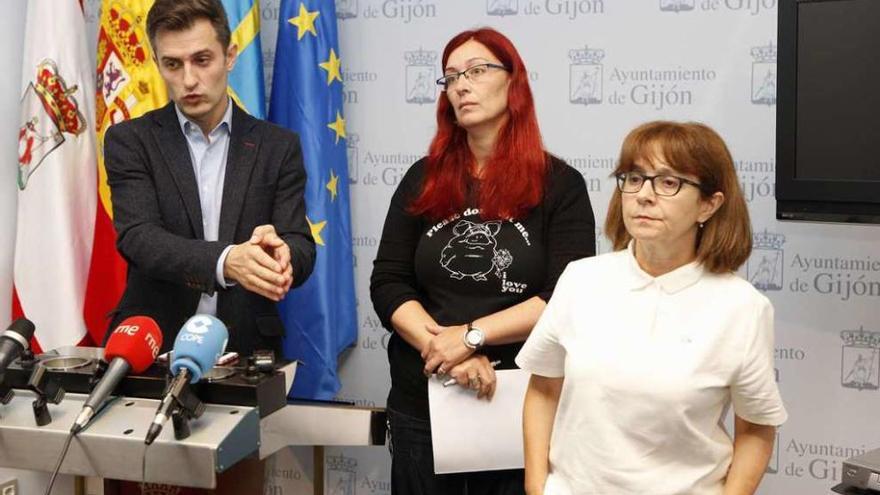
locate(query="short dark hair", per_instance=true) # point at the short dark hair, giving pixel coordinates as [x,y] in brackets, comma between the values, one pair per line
[725,242]
[177,15]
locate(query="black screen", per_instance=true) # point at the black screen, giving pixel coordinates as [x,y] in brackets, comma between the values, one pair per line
[838,91]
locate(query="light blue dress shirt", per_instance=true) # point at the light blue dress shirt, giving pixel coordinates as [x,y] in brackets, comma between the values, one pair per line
[208,156]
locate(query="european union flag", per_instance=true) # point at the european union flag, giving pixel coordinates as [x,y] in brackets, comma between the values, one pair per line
[246,86]
[319,316]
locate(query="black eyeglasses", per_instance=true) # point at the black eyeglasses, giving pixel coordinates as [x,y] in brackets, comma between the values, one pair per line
[472,74]
[663,184]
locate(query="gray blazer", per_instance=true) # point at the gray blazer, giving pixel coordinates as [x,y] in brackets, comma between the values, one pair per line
[158,222]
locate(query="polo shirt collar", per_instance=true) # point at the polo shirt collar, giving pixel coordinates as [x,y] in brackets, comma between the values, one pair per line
[672,282]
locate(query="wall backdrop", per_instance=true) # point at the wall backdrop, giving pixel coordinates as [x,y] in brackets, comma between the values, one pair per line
[598,68]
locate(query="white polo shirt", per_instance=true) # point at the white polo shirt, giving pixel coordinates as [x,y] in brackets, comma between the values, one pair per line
[651,365]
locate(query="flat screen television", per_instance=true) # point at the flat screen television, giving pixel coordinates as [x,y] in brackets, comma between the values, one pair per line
[828,111]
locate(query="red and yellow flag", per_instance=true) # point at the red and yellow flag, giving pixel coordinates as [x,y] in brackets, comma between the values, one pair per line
[128,86]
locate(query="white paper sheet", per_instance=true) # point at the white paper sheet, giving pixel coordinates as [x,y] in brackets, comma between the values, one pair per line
[478,435]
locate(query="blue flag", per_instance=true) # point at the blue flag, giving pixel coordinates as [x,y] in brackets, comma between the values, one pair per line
[320,316]
[246,86]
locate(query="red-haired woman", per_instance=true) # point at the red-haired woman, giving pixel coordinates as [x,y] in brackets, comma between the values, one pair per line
[476,235]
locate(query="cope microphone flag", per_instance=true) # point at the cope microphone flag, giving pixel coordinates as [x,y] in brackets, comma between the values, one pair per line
[15,340]
[197,347]
[132,347]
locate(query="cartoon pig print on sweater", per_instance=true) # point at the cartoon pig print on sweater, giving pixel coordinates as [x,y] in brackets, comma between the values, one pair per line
[471,253]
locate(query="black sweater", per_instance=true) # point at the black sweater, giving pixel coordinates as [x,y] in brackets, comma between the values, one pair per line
[465,267]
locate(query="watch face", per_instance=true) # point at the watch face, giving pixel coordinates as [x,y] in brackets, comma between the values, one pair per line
[474,337]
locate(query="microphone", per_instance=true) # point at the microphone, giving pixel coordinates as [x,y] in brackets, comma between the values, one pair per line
[197,347]
[15,340]
[132,347]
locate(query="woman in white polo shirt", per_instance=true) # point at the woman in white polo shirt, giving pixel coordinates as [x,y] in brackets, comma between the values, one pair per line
[640,352]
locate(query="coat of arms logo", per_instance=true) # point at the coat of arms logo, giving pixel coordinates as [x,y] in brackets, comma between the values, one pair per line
[860,360]
[49,110]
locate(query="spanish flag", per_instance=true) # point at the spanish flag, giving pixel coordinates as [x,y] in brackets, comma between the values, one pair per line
[128,86]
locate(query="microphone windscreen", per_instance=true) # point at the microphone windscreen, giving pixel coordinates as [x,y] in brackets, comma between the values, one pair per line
[23,327]
[199,344]
[137,340]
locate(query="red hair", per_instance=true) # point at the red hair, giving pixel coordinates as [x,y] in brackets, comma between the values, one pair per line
[512,181]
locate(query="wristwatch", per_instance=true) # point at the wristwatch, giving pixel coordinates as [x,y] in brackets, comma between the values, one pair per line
[473,337]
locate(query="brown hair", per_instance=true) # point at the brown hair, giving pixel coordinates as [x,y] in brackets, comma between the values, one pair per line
[177,15]
[725,241]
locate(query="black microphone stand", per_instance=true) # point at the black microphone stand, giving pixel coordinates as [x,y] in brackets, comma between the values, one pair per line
[189,407]
[183,405]
[48,391]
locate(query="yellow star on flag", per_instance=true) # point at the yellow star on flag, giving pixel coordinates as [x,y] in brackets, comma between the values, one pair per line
[304,22]
[316,229]
[331,186]
[338,126]
[332,66]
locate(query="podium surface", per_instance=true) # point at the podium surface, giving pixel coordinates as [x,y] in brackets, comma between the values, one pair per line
[112,446]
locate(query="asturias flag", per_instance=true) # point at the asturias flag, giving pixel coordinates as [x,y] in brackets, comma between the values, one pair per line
[320,316]
[246,84]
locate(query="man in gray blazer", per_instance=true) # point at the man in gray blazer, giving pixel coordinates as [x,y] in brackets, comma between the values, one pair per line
[207,200]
